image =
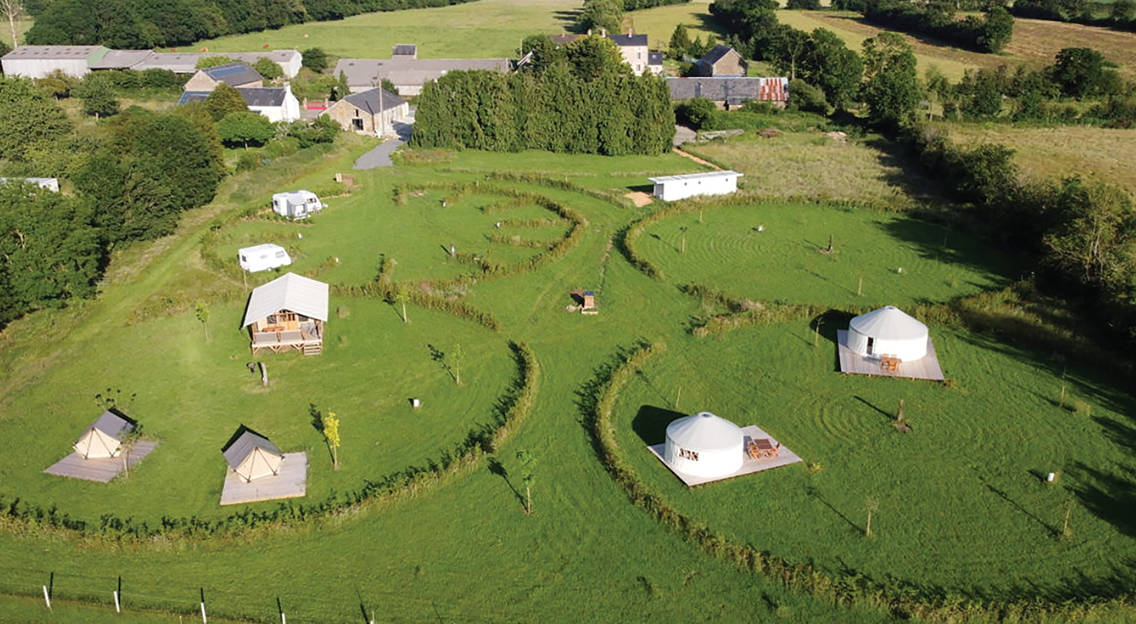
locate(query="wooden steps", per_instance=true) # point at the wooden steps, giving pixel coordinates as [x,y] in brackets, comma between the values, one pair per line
[313,348]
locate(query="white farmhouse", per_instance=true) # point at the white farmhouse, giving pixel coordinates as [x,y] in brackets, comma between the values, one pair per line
[263,257]
[296,204]
[672,188]
[275,103]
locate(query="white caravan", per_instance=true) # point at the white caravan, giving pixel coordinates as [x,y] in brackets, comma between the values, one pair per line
[263,257]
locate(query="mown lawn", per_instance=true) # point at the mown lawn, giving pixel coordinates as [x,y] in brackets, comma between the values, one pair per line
[961,502]
[779,252]
[463,550]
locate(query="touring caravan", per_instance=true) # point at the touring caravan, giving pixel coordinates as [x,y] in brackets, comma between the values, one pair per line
[296,204]
[263,257]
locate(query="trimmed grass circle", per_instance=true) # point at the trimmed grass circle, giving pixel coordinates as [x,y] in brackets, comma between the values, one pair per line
[192,393]
[961,499]
[779,252]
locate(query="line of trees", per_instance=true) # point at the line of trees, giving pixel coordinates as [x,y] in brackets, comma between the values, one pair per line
[158,23]
[1120,14]
[581,99]
[988,34]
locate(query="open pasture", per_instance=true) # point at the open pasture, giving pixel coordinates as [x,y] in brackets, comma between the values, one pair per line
[193,393]
[960,498]
[1101,154]
[344,243]
[774,251]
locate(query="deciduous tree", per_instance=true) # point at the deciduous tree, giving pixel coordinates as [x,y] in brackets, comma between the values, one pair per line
[245,128]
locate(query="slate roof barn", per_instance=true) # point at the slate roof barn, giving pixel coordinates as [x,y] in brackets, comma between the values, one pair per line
[239,74]
[729,91]
[369,112]
[721,60]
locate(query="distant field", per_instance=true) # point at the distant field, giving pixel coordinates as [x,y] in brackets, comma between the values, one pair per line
[808,164]
[488,28]
[1093,153]
[22,27]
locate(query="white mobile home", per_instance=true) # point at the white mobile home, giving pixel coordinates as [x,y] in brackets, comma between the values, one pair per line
[672,188]
[296,204]
[263,257]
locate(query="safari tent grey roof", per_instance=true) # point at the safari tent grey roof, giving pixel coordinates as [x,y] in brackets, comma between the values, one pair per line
[291,292]
[102,438]
[252,455]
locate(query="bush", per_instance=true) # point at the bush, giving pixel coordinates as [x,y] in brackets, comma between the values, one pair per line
[245,129]
[804,5]
[695,113]
[805,97]
[315,59]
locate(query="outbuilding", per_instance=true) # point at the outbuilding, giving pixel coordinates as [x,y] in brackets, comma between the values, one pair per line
[275,103]
[252,456]
[372,112]
[704,445]
[103,439]
[296,204]
[238,74]
[288,313]
[263,257]
[675,187]
[890,332]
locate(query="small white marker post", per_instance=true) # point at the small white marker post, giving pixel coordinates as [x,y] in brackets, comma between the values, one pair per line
[117,606]
[204,619]
[46,598]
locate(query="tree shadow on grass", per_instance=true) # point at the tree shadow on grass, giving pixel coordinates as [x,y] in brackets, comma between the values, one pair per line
[497,468]
[650,423]
[814,493]
[569,20]
[941,243]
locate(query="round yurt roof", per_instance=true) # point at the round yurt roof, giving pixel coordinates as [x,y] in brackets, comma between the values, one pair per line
[889,323]
[704,431]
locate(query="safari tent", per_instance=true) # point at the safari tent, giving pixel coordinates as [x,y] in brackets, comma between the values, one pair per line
[104,437]
[288,313]
[252,456]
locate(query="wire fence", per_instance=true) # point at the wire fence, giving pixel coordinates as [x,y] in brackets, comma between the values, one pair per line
[254,601]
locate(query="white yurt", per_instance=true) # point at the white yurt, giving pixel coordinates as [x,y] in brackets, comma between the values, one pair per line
[888,331]
[103,439]
[252,456]
[704,445]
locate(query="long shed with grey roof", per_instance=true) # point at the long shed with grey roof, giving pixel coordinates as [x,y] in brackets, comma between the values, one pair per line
[37,61]
[730,92]
[408,75]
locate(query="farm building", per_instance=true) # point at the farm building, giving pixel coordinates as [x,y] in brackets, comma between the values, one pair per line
[37,61]
[721,60]
[704,445]
[104,437]
[729,92]
[275,103]
[77,61]
[408,73]
[296,204]
[237,74]
[371,112]
[675,187]
[263,257]
[51,184]
[888,331]
[287,313]
[252,456]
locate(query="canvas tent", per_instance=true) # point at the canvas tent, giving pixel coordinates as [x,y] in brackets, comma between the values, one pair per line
[704,445]
[288,313]
[251,455]
[296,204]
[888,331]
[103,438]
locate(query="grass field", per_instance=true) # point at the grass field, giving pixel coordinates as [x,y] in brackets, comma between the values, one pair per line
[461,550]
[487,28]
[1051,153]
[22,27]
[809,164]
[961,501]
[784,262]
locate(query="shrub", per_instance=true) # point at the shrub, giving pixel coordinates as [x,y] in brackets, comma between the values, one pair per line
[695,113]
[803,96]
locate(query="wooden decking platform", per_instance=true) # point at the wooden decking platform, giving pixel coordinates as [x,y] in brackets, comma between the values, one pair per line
[100,470]
[749,466]
[854,363]
[290,483]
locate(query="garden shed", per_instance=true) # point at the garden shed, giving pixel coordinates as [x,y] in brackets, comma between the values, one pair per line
[704,445]
[888,331]
[104,437]
[252,456]
[288,313]
[675,187]
[296,204]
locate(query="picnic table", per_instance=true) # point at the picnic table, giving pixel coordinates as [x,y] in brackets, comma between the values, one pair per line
[889,363]
[762,448]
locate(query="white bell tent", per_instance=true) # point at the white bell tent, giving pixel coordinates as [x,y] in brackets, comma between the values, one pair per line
[888,331]
[704,445]
[103,439]
[251,455]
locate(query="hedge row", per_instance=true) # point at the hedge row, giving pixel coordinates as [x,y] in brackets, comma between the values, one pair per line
[513,407]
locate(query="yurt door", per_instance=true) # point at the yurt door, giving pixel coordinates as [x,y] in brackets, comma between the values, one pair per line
[871,344]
